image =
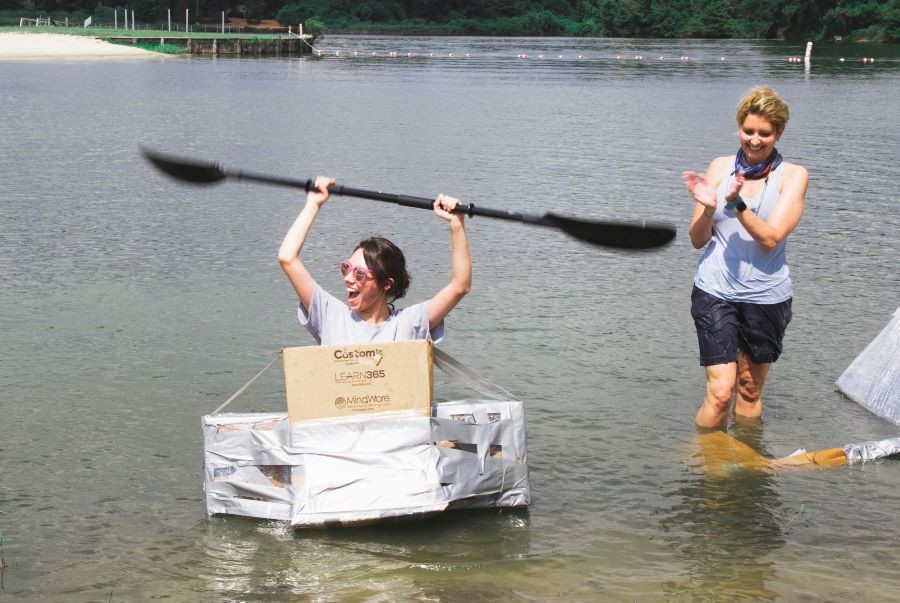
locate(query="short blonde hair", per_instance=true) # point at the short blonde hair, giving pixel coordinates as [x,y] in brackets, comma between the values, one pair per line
[765,102]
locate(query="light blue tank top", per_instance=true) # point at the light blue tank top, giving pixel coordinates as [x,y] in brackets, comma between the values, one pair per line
[734,267]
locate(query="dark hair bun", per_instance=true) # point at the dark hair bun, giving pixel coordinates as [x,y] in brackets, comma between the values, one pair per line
[387,262]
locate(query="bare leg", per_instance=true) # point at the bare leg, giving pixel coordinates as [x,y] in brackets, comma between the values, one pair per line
[751,378]
[720,381]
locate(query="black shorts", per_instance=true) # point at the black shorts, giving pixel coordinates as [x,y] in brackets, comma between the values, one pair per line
[722,326]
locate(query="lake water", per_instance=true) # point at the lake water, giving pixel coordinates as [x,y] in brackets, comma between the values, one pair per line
[132,305]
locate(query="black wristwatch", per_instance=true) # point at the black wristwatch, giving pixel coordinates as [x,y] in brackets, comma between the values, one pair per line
[740,205]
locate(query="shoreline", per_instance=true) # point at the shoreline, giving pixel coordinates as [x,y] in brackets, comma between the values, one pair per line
[27,45]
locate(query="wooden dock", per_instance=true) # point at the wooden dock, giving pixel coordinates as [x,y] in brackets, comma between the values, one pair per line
[230,46]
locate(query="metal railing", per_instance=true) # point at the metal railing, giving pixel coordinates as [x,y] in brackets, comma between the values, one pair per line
[175,27]
[40,21]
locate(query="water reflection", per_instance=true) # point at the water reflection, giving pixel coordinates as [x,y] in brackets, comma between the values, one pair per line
[725,527]
[385,561]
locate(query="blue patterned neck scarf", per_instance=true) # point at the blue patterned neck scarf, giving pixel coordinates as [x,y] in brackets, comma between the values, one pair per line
[758,171]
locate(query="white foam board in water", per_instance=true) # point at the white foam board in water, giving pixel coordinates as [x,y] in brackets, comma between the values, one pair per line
[873,378]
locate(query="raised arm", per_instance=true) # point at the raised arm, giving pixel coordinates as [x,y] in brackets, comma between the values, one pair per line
[289,252]
[460,263]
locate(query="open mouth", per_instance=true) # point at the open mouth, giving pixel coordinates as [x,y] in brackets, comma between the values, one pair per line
[352,294]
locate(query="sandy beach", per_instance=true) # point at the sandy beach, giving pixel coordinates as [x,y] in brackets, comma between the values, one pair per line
[24,45]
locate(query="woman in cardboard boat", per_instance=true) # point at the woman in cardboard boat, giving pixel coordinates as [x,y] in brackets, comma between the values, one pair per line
[374,276]
[745,207]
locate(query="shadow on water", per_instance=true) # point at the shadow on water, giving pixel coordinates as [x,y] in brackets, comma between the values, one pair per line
[409,559]
[724,527]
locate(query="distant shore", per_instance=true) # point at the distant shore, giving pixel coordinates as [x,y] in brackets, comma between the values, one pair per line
[25,45]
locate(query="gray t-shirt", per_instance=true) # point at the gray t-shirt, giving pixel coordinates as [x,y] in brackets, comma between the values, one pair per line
[331,322]
[734,266]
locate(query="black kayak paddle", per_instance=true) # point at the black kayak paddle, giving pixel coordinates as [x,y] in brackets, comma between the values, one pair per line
[624,235]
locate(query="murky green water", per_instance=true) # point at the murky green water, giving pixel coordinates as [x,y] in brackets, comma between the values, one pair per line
[132,306]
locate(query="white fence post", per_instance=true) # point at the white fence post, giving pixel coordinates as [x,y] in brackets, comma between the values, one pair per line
[116,19]
[186,20]
[170,19]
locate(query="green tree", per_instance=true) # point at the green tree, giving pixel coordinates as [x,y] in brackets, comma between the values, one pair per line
[890,16]
[290,14]
[148,11]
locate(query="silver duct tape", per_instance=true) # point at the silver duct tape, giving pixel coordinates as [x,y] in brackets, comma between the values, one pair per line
[224,504]
[471,454]
[311,519]
[369,433]
[869,451]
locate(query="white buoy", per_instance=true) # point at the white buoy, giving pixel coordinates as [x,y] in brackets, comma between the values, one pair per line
[808,55]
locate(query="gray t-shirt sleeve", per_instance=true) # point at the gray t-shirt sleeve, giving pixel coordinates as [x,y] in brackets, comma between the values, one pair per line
[315,317]
[415,318]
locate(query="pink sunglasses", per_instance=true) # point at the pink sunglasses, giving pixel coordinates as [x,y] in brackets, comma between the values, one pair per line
[359,272]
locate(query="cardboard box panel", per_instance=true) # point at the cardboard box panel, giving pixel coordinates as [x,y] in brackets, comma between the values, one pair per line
[336,381]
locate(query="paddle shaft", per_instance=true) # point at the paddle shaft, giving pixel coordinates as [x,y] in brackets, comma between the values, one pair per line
[622,235]
[404,200]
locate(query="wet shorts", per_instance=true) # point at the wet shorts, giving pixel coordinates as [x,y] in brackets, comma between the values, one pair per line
[722,326]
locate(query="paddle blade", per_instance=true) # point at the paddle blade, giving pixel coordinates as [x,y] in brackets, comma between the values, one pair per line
[623,235]
[188,170]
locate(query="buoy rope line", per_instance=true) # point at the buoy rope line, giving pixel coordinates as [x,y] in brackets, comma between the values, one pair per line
[302,39]
[546,56]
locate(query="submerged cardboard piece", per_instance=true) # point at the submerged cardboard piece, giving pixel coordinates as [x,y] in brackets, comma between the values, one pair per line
[324,382]
[470,454]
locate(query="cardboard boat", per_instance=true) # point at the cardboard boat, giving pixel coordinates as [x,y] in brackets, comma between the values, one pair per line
[369,467]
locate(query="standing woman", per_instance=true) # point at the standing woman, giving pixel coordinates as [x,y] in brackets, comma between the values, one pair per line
[374,276]
[746,206]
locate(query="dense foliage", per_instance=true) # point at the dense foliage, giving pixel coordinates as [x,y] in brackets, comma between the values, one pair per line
[876,20]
